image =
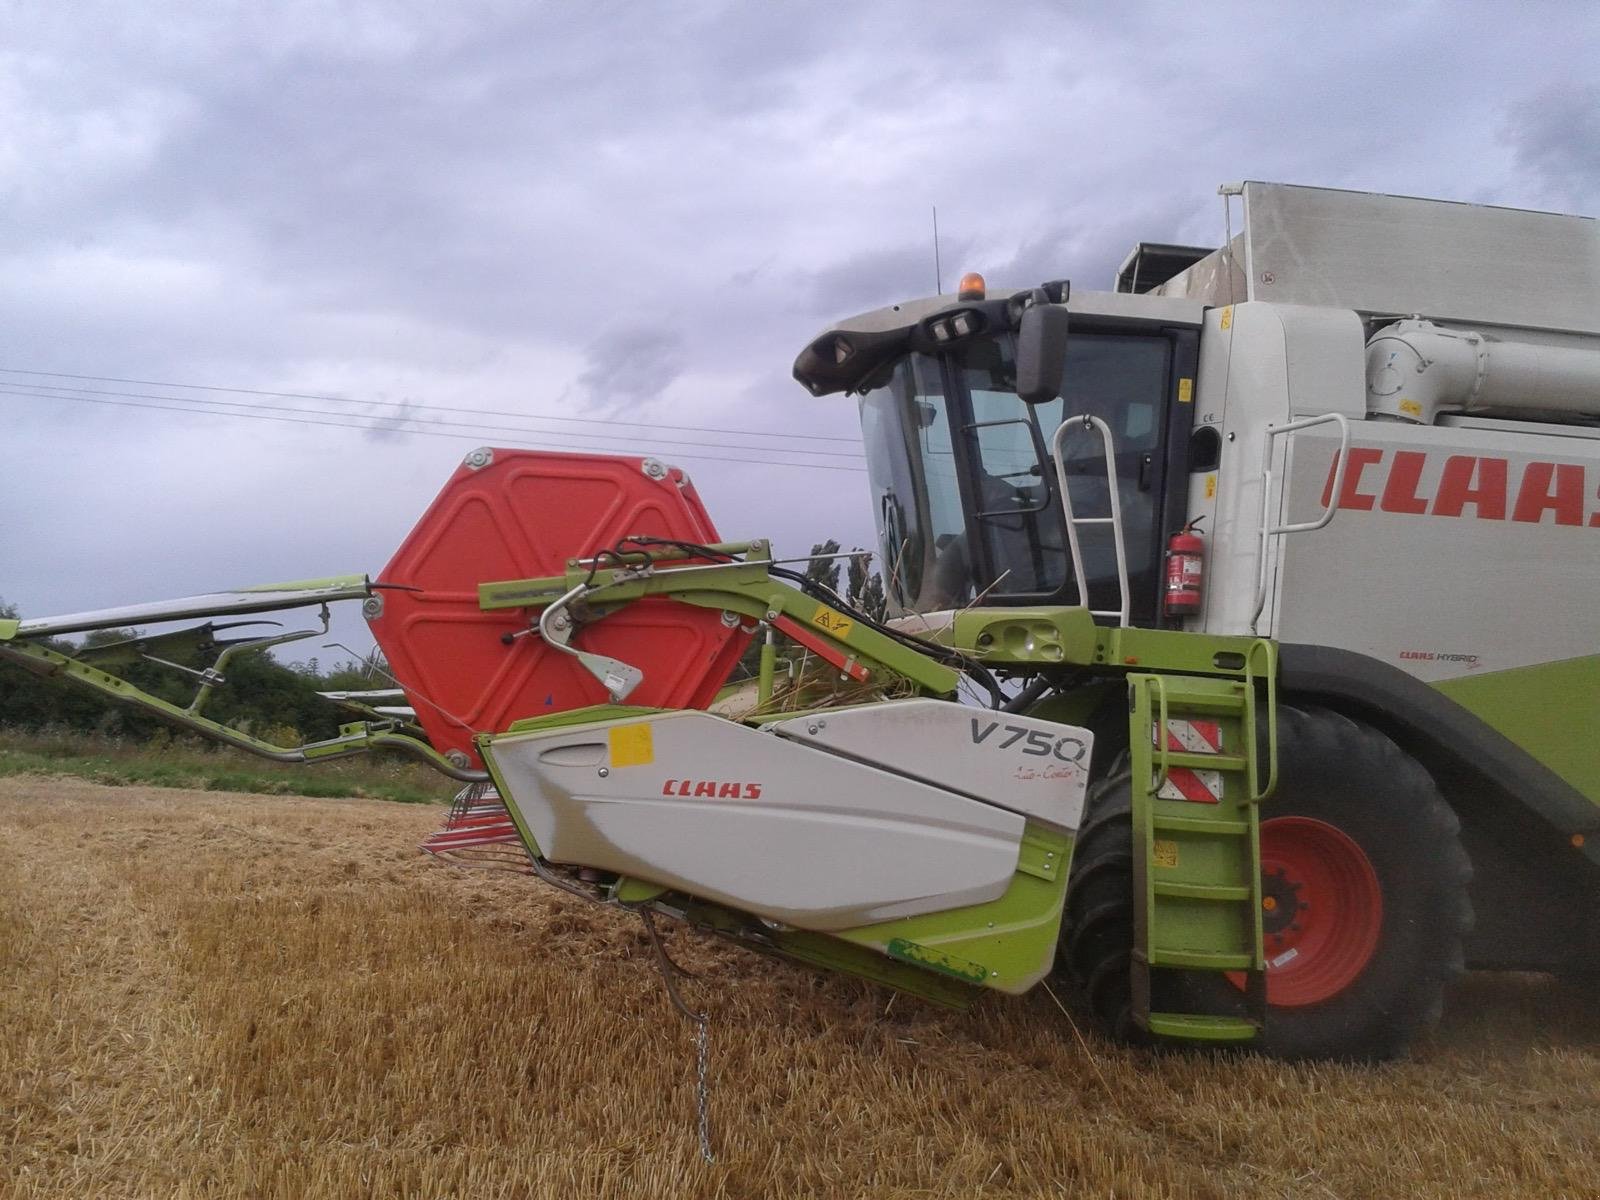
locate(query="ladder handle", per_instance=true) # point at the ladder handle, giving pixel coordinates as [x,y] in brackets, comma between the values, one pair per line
[1337,487]
[1262,645]
[1088,421]
[1335,490]
[1162,753]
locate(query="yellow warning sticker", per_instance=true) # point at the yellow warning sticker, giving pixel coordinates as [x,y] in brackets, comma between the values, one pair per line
[831,622]
[631,746]
[1185,390]
[1211,487]
[1411,409]
[1227,317]
[1164,853]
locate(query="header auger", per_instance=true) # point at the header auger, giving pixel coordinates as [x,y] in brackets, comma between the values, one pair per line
[1275,610]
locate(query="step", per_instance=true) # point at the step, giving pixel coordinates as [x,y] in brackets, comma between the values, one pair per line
[1204,1028]
[1200,960]
[1199,702]
[1173,824]
[1200,762]
[1204,891]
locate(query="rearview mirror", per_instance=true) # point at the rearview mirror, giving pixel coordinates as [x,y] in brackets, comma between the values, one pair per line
[1041,352]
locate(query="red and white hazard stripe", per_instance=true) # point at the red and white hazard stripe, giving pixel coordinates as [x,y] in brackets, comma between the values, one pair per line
[1193,737]
[1187,783]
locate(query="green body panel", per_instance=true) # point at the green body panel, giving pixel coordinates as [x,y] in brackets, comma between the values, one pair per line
[819,950]
[627,890]
[594,713]
[1197,866]
[1036,636]
[1068,637]
[1013,938]
[745,588]
[1551,710]
[8,629]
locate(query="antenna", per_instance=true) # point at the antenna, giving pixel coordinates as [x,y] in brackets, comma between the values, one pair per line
[938,272]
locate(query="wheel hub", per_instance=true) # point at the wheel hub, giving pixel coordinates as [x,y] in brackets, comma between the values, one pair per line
[1321,911]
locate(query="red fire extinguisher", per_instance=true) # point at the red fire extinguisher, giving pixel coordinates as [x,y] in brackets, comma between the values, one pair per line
[1185,571]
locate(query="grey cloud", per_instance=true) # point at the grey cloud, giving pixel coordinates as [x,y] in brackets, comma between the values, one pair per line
[1555,137]
[631,366]
[873,278]
[519,206]
[389,425]
[1088,249]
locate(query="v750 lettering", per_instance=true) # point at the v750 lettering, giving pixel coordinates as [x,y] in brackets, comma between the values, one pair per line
[1035,742]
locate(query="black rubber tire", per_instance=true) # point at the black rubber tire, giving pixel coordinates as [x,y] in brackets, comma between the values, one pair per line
[1354,778]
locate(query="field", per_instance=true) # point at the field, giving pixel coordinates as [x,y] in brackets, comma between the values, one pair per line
[204,994]
[187,762]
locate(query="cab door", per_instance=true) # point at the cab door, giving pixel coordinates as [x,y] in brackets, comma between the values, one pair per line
[1138,379]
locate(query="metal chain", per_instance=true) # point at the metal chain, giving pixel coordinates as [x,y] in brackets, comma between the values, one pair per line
[702,1036]
[702,1098]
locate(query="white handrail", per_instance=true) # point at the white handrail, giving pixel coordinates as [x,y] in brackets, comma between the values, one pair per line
[1086,422]
[1335,489]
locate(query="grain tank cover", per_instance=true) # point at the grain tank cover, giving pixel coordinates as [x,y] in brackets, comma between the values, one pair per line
[1448,261]
[1401,256]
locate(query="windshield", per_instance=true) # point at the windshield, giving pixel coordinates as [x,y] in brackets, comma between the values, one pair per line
[965,493]
[905,426]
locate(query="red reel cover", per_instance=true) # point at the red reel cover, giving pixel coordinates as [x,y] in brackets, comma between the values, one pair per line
[520,515]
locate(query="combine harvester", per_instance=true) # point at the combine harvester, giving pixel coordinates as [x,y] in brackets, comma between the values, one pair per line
[1260,806]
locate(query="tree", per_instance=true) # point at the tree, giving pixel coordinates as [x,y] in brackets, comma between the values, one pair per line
[822,568]
[866,587]
[260,694]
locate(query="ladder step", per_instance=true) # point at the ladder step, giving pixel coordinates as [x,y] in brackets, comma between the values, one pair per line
[1193,1025]
[1203,891]
[1201,960]
[1181,702]
[1171,824]
[1203,762]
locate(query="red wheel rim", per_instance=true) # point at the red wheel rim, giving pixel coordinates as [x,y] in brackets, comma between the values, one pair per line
[1322,910]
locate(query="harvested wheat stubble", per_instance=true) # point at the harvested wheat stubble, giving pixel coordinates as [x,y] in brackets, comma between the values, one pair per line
[213,995]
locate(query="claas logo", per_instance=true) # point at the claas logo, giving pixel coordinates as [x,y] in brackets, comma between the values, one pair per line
[713,788]
[1488,488]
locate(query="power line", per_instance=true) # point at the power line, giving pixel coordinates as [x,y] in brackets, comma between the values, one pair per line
[362,428]
[482,412]
[77,393]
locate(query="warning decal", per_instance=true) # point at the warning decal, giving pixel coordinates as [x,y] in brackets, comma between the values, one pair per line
[632,746]
[832,622]
[1196,785]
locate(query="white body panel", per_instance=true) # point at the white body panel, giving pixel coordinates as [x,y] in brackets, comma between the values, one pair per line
[1033,767]
[755,821]
[1464,546]
[1446,570]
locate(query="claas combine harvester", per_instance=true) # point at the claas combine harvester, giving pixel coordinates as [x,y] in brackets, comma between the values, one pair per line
[1276,575]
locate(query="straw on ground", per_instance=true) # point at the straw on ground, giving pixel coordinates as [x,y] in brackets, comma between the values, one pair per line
[216,995]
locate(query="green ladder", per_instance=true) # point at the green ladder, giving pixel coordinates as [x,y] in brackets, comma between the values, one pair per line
[1197,760]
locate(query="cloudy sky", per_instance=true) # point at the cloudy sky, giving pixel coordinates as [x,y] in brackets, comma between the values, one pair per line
[397,218]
